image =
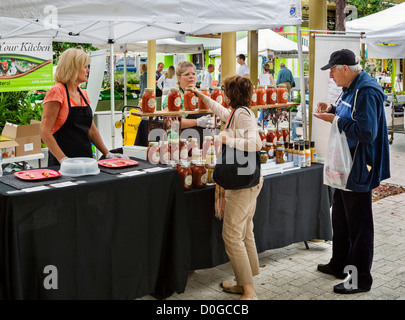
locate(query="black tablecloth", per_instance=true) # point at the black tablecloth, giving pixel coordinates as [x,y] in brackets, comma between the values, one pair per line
[108,238]
[291,207]
[125,237]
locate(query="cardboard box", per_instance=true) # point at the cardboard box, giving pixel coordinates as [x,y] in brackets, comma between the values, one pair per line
[27,137]
[7,147]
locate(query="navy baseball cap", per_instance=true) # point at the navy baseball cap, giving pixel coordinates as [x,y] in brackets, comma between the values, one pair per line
[342,57]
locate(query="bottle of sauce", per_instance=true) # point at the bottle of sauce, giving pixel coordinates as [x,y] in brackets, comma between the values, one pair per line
[295,155]
[307,154]
[217,95]
[174,150]
[183,150]
[152,153]
[201,104]
[217,145]
[186,175]
[313,152]
[164,153]
[174,100]
[282,94]
[207,144]
[271,94]
[192,147]
[263,136]
[210,172]
[253,100]
[261,95]
[301,157]
[284,131]
[199,175]
[148,101]
[290,156]
[190,100]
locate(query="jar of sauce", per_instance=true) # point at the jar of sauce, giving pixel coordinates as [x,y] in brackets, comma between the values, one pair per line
[174,100]
[217,95]
[272,135]
[270,150]
[282,94]
[210,172]
[148,101]
[261,95]
[186,175]
[271,94]
[280,136]
[201,104]
[152,153]
[280,152]
[285,132]
[253,100]
[190,100]
[199,175]
[263,156]
[183,150]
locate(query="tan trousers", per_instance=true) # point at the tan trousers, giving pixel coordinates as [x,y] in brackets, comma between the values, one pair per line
[237,232]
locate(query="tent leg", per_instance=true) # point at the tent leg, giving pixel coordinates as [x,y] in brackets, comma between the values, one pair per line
[302,83]
[112,91]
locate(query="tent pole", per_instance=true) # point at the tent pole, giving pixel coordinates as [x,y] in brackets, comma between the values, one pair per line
[112,93]
[302,83]
[125,77]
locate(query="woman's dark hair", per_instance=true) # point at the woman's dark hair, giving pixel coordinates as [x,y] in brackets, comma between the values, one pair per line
[239,91]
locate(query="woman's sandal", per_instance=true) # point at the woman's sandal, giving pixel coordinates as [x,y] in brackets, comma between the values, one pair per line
[230,288]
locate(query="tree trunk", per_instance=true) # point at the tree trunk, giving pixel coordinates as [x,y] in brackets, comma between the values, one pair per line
[340,15]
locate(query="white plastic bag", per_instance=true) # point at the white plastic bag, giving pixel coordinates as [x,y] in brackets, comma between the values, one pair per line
[339,161]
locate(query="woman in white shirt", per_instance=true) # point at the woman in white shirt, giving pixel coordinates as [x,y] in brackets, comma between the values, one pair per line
[266,77]
[167,81]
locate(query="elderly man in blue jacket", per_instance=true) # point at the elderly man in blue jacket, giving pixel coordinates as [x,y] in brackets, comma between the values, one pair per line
[361,116]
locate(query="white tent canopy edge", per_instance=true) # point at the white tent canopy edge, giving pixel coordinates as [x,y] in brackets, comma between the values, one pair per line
[125,21]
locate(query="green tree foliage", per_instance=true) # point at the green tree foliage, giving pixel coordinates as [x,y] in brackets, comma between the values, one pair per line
[59,47]
[367,7]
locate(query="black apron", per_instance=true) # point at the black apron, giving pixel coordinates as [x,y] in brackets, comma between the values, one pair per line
[73,137]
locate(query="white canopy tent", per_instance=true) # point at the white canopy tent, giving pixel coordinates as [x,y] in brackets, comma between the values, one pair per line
[384,32]
[269,42]
[127,21]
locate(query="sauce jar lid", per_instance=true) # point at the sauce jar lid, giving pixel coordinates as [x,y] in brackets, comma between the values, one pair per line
[153,143]
[185,164]
[260,86]
[272,129]
[174,89]
[189,88]
[282,85]
[149,90]
[216,88]
[269,143]
[208,138]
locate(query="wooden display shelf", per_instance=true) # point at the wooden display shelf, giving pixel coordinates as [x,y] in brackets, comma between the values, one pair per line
[179,113]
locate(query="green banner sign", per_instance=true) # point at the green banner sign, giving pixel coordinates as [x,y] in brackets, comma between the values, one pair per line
[25,64]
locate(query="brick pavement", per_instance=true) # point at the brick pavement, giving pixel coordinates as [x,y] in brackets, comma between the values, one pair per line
[289,273]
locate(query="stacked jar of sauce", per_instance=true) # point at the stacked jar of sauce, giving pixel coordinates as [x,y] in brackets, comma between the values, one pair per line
[282,94]
[271,94]
[174,100]
[201,104]
[148,101]
[261,95]
[217,95]
[190,100]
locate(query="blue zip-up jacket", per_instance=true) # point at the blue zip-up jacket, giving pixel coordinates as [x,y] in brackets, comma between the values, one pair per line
[362,118]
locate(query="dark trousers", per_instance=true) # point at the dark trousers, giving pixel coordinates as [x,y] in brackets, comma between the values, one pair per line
[353,234]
